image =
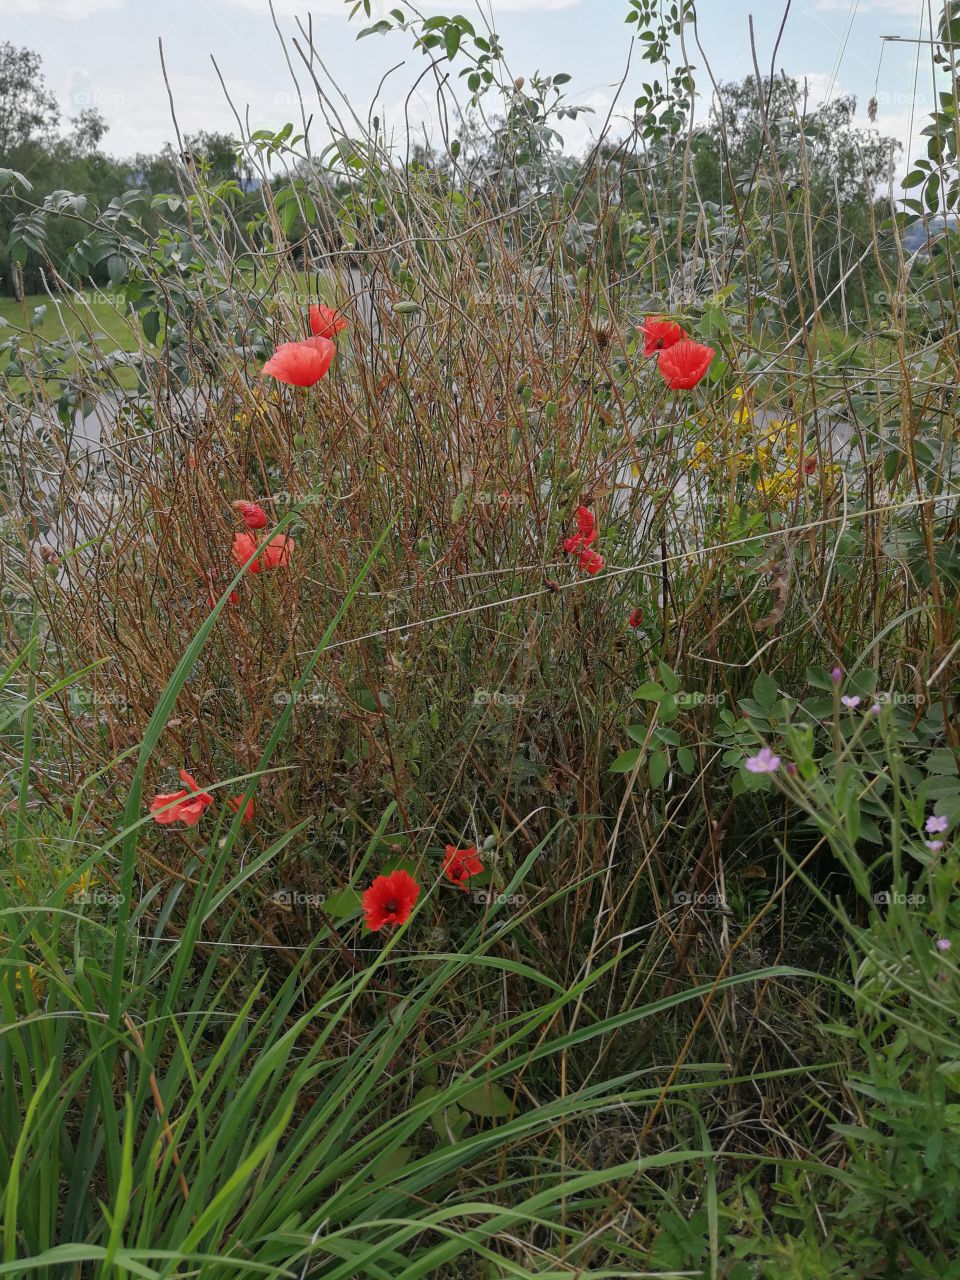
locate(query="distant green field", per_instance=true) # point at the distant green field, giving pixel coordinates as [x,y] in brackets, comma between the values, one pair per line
[58,318]
[98,320]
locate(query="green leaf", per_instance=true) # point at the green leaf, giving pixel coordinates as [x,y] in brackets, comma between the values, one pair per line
[668,678]
[649,692]
[765,690]
[151,325]
[659,767]
[342,905]
[487,1100]
[626,761]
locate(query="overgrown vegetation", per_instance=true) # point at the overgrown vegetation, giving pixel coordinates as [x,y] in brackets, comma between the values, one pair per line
[676,668]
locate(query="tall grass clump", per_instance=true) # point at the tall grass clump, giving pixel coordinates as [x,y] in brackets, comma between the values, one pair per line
[672,667]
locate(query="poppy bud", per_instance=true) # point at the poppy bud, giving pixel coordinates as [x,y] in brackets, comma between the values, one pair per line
[252,515]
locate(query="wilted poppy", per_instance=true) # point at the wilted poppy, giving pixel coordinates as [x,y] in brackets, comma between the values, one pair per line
[660,334]
[636,618]
[325,322]
[578,545]
[460,864]
[390,899]
[274,554]
[252,514]
[586,534]
[189,807]
[235,802]
[684,364]
[301,364]
[809,464]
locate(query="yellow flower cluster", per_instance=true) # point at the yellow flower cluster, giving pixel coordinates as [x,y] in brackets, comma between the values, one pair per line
[771,449]
[33,975]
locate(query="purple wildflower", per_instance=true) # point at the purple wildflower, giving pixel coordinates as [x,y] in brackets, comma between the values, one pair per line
[850,702]
[936,823]
[763,762]
[944,944]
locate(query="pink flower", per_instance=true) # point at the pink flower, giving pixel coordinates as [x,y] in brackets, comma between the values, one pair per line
[934,845]
[944,944]
[850,702]
[936,823]
[763,762]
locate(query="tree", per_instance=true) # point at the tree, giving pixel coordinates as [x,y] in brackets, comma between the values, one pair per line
[29,113]
[751,122]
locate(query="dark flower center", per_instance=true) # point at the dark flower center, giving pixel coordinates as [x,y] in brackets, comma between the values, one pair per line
[392,906]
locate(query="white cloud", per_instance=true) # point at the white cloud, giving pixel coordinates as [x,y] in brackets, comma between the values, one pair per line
[65,9]
[901,8]
[378,8]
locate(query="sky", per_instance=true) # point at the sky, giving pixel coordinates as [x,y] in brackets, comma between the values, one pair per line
[106,54]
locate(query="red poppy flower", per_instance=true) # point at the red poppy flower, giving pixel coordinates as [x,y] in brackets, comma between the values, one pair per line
[252,514]
[275,554]
[390,899]
[684,364]
[809,465]
[590,561]
[301,364]
[636,618]
[189,808]
[235,802]
[325,322]
[460,864]
[660,334]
